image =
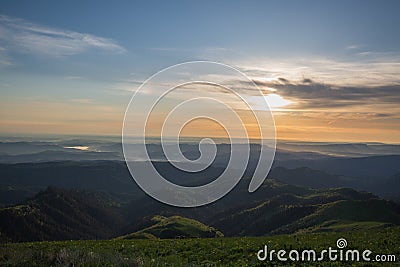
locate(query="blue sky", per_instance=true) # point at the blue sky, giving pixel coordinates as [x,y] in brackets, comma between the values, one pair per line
[64,54]
[157,33]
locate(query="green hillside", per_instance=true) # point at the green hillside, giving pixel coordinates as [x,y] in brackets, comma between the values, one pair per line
[174,227]
[347,214]
[293,210]
[276,208]
[56,214]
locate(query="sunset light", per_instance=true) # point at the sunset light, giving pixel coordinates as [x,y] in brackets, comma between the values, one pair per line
[277,101]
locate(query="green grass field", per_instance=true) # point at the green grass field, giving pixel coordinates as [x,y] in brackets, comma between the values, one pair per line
[239,251]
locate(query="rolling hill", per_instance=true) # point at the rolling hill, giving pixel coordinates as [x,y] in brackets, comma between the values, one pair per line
[56,214]
[174,227]
[277,208]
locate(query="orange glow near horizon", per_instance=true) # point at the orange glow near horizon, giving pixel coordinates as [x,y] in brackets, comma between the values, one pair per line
[91,119]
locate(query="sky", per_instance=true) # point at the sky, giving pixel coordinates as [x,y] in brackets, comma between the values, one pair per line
[330,70]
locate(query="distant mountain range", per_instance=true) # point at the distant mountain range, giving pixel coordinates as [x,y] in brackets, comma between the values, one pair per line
[19,151]
[379,175]
[82,189]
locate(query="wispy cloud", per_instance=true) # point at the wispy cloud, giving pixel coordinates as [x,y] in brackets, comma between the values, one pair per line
[74,77]
[4,60]
[82,101]
[352,47]
[373,69]
[28,37]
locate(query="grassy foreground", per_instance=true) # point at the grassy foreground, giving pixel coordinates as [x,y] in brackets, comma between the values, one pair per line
[196,252]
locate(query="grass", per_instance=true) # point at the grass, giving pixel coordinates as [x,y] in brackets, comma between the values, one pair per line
[240,251]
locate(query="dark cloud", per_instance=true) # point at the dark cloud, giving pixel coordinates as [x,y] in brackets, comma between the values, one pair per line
[309,93]
[306,80]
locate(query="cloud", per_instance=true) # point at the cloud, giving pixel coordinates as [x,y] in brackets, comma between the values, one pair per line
[332,116]
[4,60]
[352,47]
[74,77]
[28,37]
[371,69]
[311,94]
[82,101]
